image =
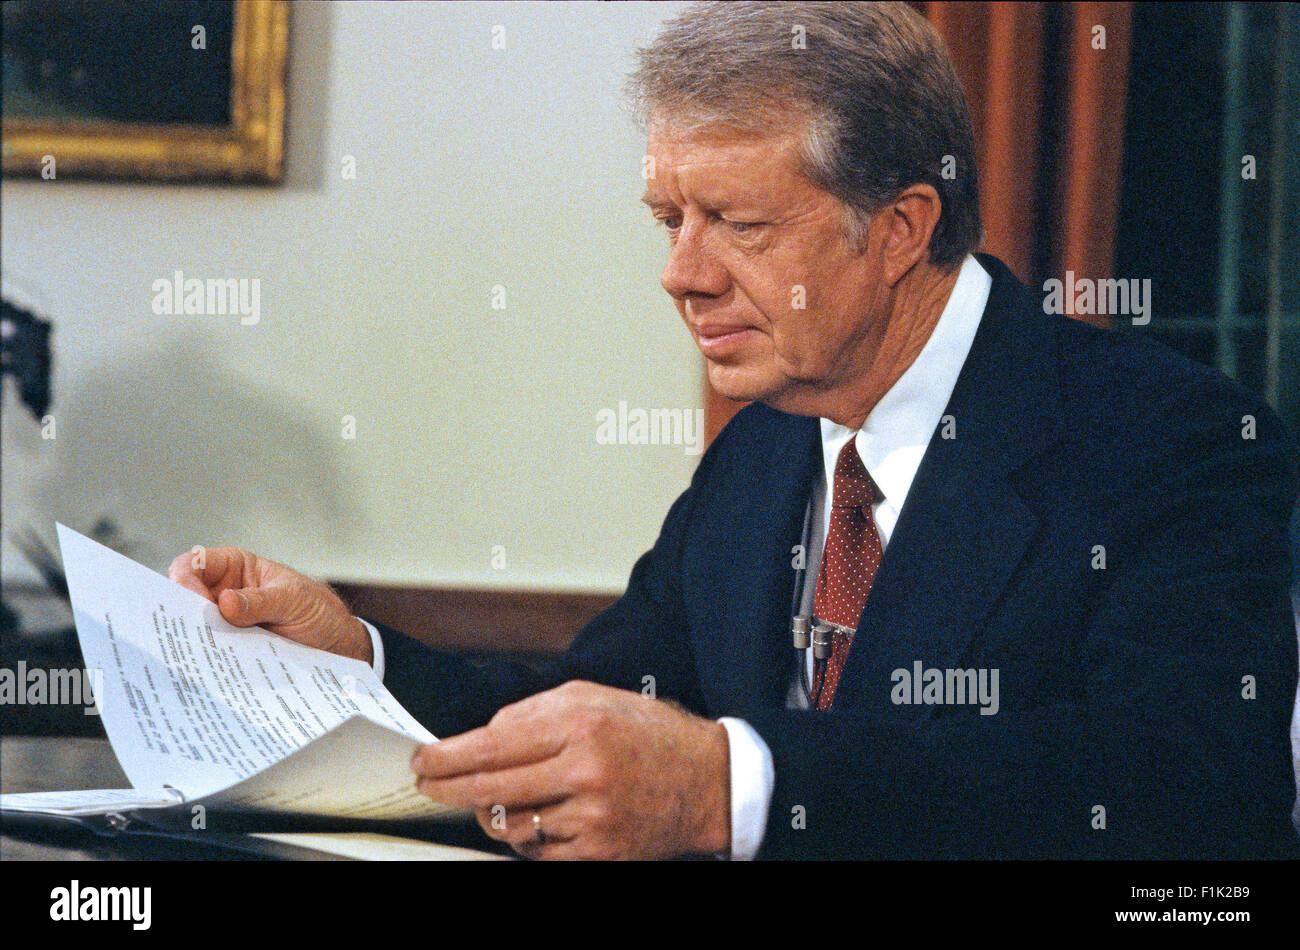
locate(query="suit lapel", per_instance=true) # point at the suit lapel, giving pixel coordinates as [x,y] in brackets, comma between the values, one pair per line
[747,580]
[963,530]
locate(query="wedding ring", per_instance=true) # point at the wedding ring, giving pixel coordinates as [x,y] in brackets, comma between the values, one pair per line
[538,834]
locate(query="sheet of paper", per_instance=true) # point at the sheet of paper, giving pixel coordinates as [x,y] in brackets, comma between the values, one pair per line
[93,802]
[358,769]
[365,846]
[192,701]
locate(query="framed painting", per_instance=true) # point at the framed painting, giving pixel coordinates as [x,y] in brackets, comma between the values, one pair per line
[160,90]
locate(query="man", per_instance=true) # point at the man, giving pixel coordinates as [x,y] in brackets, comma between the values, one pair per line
[1046,562]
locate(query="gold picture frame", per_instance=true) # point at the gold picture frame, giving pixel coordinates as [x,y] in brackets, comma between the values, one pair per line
[249,149]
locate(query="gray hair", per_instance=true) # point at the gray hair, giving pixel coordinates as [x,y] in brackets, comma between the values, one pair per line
[872,82]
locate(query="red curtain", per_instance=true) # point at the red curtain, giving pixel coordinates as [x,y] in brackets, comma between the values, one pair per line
[1047,85]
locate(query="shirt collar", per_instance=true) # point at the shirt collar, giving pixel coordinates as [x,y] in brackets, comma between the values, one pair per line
[894,437]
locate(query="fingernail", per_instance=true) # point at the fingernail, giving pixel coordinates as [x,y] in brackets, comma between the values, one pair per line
[243,601]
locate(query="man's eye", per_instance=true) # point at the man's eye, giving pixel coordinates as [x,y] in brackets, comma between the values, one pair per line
[741,227]
[671,222]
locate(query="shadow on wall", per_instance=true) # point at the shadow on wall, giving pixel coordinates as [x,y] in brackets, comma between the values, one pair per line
[178,451]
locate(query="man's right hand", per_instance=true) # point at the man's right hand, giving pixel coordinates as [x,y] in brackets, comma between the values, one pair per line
[249,590]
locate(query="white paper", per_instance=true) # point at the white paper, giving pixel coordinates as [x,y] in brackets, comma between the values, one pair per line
[94,802]
[367,846]
[194,702]
[380,785]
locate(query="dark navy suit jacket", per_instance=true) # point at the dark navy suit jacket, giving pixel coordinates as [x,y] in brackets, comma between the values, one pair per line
[1144,706]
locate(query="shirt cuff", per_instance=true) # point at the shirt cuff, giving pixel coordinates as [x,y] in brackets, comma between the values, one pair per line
[376,645]
[753,777]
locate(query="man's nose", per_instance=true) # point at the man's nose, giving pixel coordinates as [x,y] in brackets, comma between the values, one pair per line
[692,268]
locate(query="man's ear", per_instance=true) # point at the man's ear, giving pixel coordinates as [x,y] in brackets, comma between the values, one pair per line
[909,221]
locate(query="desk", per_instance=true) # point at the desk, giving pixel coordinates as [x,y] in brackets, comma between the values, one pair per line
[42,764]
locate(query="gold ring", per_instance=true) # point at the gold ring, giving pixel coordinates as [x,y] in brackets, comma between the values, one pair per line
[538,834]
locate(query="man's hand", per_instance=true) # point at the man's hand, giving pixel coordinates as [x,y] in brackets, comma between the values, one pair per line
[609,773]
[249,590]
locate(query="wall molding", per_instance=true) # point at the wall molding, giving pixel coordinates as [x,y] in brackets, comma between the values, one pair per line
[475,619]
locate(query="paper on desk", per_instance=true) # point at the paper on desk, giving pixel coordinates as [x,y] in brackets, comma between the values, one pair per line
[193,702]
[368,846]
[92,802]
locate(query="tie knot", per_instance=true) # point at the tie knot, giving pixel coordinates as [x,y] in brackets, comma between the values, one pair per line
[853,485]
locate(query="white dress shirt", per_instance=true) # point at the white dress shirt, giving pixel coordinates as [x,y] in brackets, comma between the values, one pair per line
[891,444]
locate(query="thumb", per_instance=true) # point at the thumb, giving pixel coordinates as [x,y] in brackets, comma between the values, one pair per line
[246,606]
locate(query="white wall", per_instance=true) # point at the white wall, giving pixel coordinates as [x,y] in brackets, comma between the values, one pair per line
[474,427]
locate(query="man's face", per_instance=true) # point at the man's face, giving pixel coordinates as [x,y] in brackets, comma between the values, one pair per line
[782,307]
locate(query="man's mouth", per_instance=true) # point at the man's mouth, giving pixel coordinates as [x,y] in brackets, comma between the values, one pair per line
[717,340]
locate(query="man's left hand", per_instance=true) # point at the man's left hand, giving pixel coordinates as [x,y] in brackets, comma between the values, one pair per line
[608,773]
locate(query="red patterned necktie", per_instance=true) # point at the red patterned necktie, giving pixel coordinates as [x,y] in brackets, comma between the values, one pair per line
[849,561]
